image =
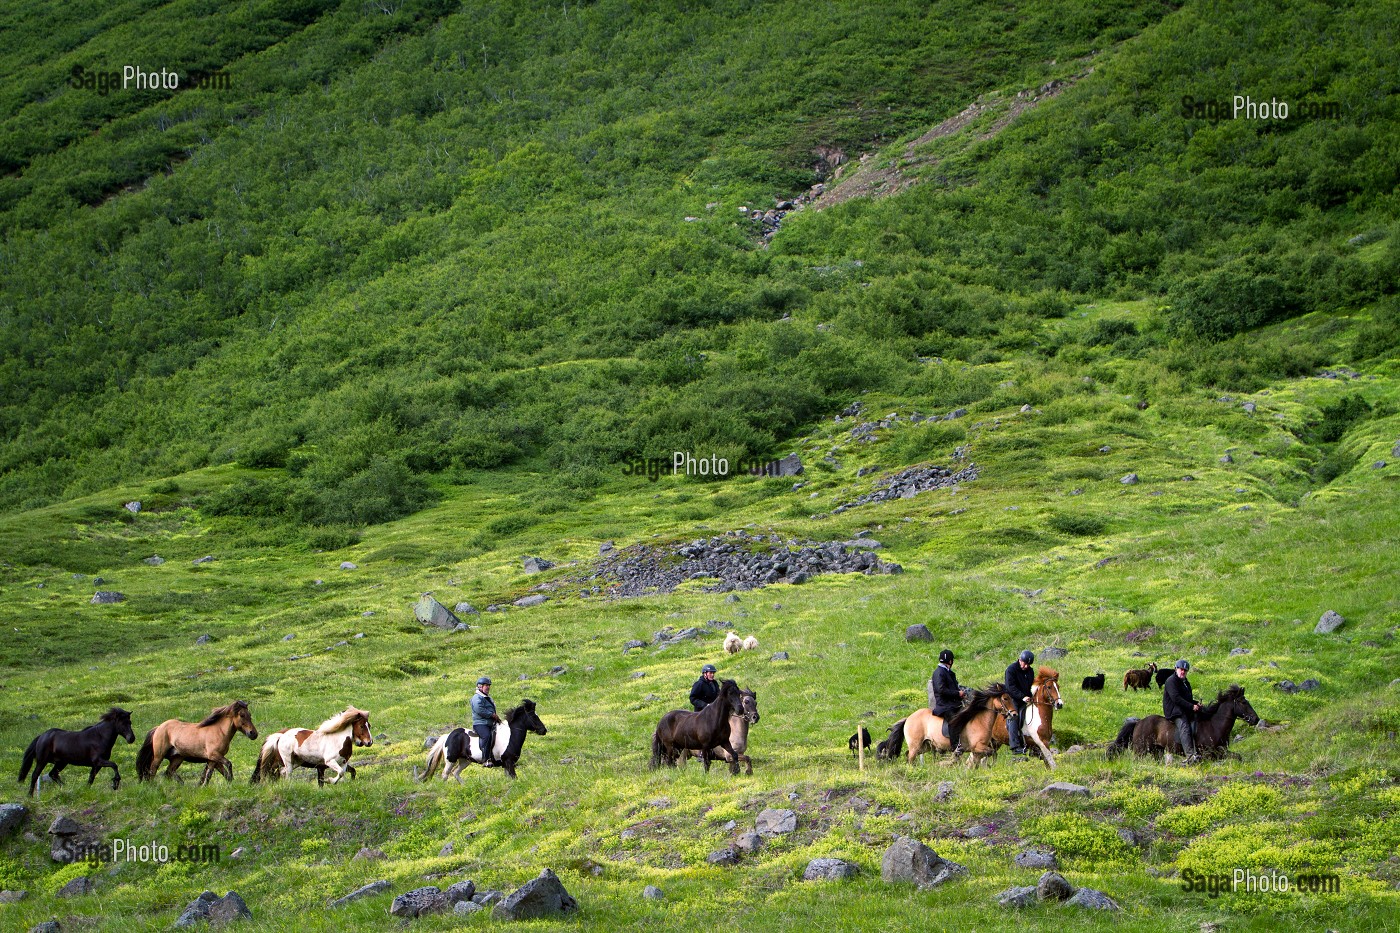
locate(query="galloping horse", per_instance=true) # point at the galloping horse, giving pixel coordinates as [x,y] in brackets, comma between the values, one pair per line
[974,721]
[738,732]
[322,748]
[700,732]
[461,746]
[1040,715]
[91,746]
[204,742]
[1156,735]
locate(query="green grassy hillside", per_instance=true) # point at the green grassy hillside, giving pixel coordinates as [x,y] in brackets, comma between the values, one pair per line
[418,283]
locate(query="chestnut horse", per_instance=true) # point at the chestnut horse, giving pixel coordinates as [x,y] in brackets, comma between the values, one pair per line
[1037,727]
[738,732]
[91,747]
[699,732]
[204,742]
[1156,735]
[974,722]
[323,748]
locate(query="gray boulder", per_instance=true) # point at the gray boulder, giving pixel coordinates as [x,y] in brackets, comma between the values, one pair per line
[540,897]
[460,891]
[369,890]
[1051,654]
[1037,858]
[829,869]
[77,887]
[466,908]
[779,656]
[1329,623]
[431,612]
[652,893]
[155,560]
[64,826]
[210,908]
[348,565]
[528,601]
[134,506]
[107,597]
[791,465]
[48,926]
[775,822]
[1053,887]
[723,857]
[918,632]
[1130,480]
[13,816]
[206,559]
[466,609]
[12,897]
[1017,897]
[204,639]
[536,564]
[1093,900]
[419,902]
[910,860]
[748,842]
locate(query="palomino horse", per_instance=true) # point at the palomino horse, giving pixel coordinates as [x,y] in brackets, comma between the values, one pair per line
[738,732]
[204,742]
[699,732]
[1156,735]
[974,722]
[1038,726]
[461,747]
[91,747]
[321,748]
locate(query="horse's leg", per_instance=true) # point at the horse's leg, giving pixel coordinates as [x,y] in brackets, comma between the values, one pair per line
[92,775]
[748,765]
[730,756]
[350,769]
[56,771]
[116,775]
[1044,749]
[339,771]
[320,775]
[222,764]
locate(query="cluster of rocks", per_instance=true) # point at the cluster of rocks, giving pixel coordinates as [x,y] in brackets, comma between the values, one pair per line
[210,908]
[1053,888]
[768,221]
[864,432]
[539,897]
[907,484]
[735,560]
[1288,686]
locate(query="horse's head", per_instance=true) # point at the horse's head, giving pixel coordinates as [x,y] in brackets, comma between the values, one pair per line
[1234,695]
[748,701]
[121,719]
[360,730]
[526,718]
[1002,703]
[243,719]
[1048,679]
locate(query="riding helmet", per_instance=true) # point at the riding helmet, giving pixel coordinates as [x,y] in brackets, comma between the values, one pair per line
[1027,656]
[1183,664]
[483,680]
[708,669]
[945,656]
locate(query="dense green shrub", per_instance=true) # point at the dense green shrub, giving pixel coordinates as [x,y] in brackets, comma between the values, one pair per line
[1226,301]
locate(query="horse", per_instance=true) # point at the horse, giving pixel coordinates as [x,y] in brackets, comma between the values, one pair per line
[334,739]
[973,722]
[204,742]
[1038,726]
[738,731]
[461,747]
[1156,735]
[91,746]
[700,732]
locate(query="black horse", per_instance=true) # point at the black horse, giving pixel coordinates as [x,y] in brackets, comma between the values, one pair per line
[91,747]
[1156,735]
[455,749]
[708,729]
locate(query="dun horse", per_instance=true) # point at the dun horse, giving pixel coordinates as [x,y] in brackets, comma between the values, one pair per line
[91,747]
[461,747]
[739,731]
[975,722]
[1156,735]
[680,729]
[1038,726]
[323,748]
[205,742]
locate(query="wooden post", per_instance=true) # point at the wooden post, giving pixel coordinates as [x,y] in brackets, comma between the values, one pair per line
[860,744]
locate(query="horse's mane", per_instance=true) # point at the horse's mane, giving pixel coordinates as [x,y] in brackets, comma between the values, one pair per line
[341,720]
[1045,675]
[514,711]
[115,714]
[977,701]
[1232,692]
[223,711]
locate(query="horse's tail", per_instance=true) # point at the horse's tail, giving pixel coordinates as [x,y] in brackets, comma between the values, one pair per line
[1125,738]
[30,754]
[435,757]
[263,756]
[893,745]
[145,758]
[655,750]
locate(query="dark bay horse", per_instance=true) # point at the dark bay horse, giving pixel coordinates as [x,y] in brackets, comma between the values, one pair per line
[738,732]
[91,747]
[461,747]
[203,742]
[1156,735]
[708,729]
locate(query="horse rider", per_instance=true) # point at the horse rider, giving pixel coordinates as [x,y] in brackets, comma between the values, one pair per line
[1181,707]
[946,697]
[705,690]
[484,719]
[1019,679]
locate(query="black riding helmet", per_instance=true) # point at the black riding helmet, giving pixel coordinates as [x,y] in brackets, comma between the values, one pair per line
[1028,656]
[945,656]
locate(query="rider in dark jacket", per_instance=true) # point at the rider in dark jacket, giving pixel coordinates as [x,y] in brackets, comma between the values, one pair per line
[1020,677]
[484,721]
[705,690]
[1180,706]
[947,695]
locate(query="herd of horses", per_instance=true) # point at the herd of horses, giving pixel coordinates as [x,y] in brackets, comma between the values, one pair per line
[719,731]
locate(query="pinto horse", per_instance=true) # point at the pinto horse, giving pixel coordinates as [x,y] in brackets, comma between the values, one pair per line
[461,747]
[700,732]
[321,748]
[1040,715]
[205,742]
[738,732]
[91,747]
[1156,735]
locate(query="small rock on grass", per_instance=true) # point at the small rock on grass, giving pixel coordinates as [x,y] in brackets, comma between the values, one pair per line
[829,869]
[1093,900]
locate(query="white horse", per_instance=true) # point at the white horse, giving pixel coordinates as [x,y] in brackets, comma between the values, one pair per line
[1040,713]
[321,748]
